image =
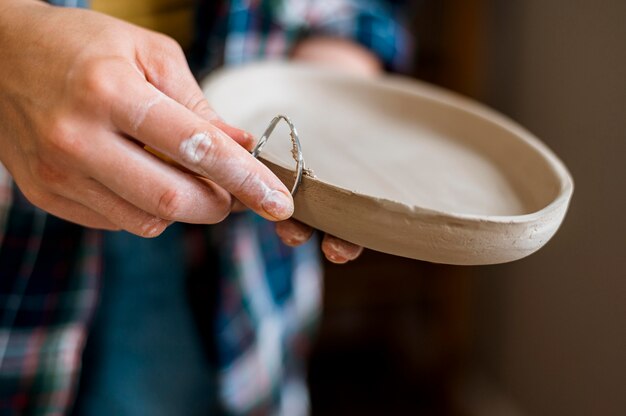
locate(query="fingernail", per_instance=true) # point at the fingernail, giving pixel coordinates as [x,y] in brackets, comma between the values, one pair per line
[297,239]
[278,205]
[155,227]
[336,259]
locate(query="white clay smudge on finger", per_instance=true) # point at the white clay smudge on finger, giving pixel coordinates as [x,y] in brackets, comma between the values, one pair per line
[194,149]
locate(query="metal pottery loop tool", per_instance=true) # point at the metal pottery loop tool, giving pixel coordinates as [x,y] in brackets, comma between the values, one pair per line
[296,150]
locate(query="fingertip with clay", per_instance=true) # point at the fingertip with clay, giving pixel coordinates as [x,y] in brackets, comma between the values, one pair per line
[340,251]
[277,204]
[293,233]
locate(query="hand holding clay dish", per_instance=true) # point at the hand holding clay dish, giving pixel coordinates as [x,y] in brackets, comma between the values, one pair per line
[400,166]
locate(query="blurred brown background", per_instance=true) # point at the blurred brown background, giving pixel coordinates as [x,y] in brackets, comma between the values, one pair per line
[542,336]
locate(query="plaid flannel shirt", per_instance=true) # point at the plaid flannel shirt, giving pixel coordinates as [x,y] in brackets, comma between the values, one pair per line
[50,269]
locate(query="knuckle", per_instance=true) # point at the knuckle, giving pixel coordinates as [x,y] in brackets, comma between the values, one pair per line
[199,105]
[174,206]
[61,138]
[169,45]
[200,151]
[247,183]
[170,203]
[167,51]
[57,132]
[48,174]
[97,83]
[166,56]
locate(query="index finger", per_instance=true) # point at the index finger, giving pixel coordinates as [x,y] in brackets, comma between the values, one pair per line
[150,116]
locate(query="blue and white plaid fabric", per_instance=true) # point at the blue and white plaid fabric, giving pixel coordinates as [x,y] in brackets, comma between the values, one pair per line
[268,294]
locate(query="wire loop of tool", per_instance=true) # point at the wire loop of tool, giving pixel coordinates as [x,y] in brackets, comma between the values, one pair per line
[296,150]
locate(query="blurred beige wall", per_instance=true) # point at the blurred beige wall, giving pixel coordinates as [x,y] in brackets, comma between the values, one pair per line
[552,327]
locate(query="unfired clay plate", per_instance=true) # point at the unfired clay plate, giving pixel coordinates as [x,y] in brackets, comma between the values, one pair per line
[400,166]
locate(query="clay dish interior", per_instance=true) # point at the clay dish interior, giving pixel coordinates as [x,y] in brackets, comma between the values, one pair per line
[401,166]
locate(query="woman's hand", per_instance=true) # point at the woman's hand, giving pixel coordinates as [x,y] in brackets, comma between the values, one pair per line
[81,94]
[349,57]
